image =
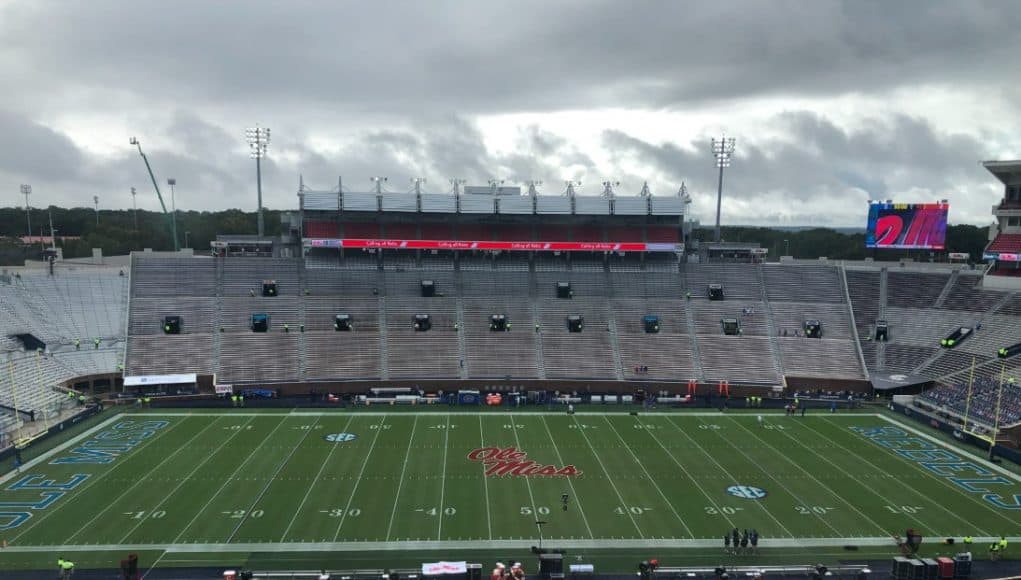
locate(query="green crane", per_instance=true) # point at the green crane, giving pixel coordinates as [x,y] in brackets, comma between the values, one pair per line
[170,219]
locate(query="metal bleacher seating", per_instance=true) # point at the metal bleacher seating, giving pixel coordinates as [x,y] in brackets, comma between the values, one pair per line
[740,282]
[790,316]
[738,358]
[821,357]
[904,358]
[803,283]
[500,354]
[863,287]
[242,276]
[708,314]
[914,290]
[586,354]
[966,295]
[923,326]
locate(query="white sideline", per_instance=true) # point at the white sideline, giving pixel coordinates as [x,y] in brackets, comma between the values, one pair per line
[480,544]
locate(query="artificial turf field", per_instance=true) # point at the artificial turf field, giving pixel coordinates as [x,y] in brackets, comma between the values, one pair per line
[358,482]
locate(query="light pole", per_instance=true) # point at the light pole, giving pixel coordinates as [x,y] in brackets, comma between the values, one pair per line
[186,234]
[258,139]
[171,181]
[134,206]
[26,190]
[95,200]
[723,148]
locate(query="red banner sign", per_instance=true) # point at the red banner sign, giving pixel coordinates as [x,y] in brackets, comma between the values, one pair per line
[468,245]
[510,461]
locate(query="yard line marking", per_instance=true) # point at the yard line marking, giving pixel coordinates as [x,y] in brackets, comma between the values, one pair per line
[443,480]
[269,482]
[813,478]
[138,481]
[792,494]
[94,480]
[351,498]
[485,481]
[227,480]
[652,433]
[649,475]
[314,480]
[400,482]
[570,480]
[153,567]
[925,498]
[528,480]
[623,503]
[943,481]
[724,471]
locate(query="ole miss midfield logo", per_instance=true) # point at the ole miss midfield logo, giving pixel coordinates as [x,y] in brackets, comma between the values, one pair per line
[500,462]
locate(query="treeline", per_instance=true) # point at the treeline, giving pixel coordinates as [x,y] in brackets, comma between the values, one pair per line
[116,233]
[823,242]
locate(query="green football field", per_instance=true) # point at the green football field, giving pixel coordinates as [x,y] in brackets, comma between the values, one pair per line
[365,481]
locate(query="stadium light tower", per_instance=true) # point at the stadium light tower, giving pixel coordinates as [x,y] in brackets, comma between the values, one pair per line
[134,206]
[95,200]
[172,181]
[608,187]
[494,185]
[533,187]
[570,192]
[26,190]
[723,148]
[456,183]
[258,140]
[379,181]
[418,181]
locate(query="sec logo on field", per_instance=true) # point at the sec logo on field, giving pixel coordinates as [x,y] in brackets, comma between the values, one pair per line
[340,437]
[746,492]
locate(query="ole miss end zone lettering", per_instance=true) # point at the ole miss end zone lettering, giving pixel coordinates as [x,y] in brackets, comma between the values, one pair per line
[37,491]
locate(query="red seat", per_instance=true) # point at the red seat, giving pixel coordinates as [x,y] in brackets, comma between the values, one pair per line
[1010,243]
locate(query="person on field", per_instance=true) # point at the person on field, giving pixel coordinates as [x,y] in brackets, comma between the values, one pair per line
[726,543]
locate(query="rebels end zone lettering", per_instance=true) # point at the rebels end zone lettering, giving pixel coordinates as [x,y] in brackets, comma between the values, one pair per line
[511,461]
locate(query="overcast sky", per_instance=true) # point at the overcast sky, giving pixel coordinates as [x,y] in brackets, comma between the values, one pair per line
[831,103]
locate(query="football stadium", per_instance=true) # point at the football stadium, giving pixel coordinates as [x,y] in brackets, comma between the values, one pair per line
[423,384]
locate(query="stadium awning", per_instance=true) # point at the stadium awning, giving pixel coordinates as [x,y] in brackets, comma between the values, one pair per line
[144,380]
[892,381]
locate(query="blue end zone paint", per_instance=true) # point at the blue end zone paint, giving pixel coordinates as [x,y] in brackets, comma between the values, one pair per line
[965,474]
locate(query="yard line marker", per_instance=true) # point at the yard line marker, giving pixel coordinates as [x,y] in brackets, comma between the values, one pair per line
[528,480]
[813,478]
[722,470]
[272,478]
[314,480]
[942,481]
[926,498]
[443,480]
[92,480]
[350,499]
[652,433]
[649,475]
[781,484]
[570,480]
[227,480]
[608,478]
[140,480]
[485,480]
[400,482]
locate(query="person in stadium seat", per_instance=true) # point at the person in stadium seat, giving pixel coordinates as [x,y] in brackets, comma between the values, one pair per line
[497,573]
